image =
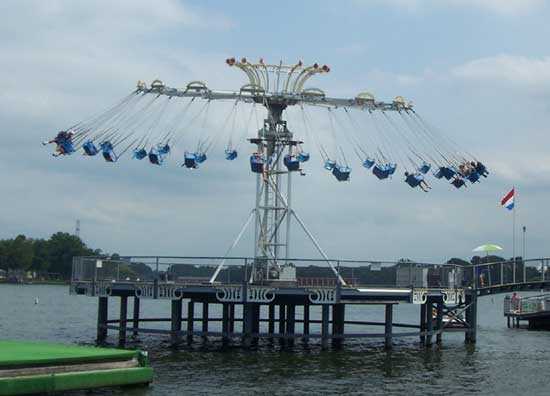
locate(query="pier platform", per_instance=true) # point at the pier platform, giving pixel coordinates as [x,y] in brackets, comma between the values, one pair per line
[534,310]
[317,305]
[28,368]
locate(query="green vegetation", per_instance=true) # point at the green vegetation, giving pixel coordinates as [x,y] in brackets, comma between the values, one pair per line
[39,255]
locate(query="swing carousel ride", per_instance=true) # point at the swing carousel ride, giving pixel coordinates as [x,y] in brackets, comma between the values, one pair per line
[157,122]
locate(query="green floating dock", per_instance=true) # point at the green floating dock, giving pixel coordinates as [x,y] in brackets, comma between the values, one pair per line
[28,368]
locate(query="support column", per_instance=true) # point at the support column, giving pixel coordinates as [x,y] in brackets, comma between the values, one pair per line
[290,321]
[190,320]
[102,315]
[471,318]
[473,337]
[388,326]
[271,319]
[204,318]
[439,336]
[231,318]
[429,321]
[338,316]
[423,322]
[176,322]
[123,321]
[324,324]
[256,318]
[508,321]
[225,322]
[247,324]
[281,319]
[136,317]
[306,319]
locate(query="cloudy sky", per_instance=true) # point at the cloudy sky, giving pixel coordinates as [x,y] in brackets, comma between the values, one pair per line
[478,69]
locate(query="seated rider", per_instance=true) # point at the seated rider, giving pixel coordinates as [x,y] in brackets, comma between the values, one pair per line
[480,168]
[458,182]
[416,180]
[63,140]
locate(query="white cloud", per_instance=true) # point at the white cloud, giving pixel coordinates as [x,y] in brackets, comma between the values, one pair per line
[517,70]
[504,7]
[500,7]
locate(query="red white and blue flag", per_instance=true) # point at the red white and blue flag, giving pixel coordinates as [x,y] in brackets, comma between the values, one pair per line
[508,200]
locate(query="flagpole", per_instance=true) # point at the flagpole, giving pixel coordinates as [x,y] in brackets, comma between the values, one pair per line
[514,226]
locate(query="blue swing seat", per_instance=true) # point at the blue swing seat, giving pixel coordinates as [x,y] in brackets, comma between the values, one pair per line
[329,165]
[445,172]
[230,154]
[90,148]
[414,180]
[382,171]
[108,151]
[291,162]
[391,168]
[200,157]
[257,162]
[368,163]
[140,153]
[474,177]
[163,150]
[190,161]
[303,157]
[66,147]
[424,168]
[341,172]
[155,157]
[458,182]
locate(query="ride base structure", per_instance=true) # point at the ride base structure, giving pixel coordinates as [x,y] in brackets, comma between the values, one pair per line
[267,290]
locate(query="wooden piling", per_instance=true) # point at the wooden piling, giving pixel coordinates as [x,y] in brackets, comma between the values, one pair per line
[281,319]
[135,317]
[388,326]
[439,336]
[338,316]
[471,318]
[290,322]
[306,320]
[423,322]
[190,320]
[247,324]
[102,316]
[256,313]
[176,322]
[473,338]
[324,325]
[123,321]
[204,319]
[271,319]
[429,322]
[225,322]
[231,318]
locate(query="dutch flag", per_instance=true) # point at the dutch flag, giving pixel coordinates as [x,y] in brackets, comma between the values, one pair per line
[508,200]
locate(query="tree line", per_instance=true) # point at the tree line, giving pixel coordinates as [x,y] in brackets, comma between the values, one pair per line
[53,255]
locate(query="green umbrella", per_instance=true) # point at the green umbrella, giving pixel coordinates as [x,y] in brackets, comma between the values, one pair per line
[487,248]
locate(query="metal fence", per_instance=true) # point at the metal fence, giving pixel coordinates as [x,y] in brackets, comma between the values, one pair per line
[311,272]
[527,305]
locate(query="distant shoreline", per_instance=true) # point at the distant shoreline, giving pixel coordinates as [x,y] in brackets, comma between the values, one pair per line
[37,282]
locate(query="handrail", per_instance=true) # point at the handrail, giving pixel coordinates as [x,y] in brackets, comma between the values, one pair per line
[489,277]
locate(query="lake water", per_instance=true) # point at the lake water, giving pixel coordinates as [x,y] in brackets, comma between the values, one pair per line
[503,362]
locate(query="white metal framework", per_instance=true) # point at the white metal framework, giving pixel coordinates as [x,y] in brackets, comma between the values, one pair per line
[275,87]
